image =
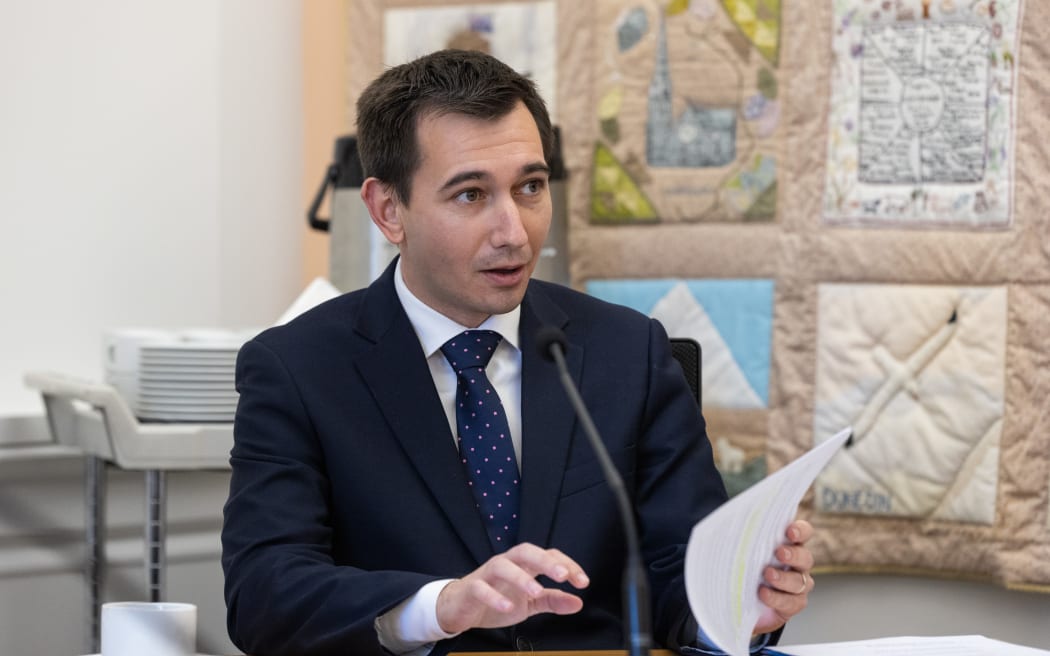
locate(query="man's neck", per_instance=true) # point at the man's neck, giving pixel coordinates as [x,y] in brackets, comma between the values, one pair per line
[434,328]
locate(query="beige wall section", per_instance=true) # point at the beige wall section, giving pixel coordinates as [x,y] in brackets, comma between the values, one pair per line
[325,112]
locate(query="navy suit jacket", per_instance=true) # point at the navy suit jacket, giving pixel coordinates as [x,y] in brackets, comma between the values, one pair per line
[348,495]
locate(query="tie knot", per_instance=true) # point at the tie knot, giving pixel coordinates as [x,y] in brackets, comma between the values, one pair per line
[471,349]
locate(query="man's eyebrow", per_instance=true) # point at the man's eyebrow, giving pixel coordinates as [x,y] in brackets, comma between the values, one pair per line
[535,167]
[463,177]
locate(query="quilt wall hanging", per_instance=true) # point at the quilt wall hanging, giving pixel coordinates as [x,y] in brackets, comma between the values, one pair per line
[844,202]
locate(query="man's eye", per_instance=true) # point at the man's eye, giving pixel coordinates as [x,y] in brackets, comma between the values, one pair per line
[532,187]
[469,196]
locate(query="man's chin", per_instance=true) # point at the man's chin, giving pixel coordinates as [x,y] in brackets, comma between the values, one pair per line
[506,300]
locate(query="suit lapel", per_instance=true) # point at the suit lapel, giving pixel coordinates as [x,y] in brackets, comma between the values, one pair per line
[547,419]
[396,372]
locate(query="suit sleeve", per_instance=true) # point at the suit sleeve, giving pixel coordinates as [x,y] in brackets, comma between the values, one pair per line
[677,485]
[284,592]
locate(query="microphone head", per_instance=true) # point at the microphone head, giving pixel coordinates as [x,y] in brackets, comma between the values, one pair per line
[547,337]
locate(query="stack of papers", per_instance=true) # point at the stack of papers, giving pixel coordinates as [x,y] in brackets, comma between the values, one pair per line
[911,646]
[187,375]
[175,376]
[729,549]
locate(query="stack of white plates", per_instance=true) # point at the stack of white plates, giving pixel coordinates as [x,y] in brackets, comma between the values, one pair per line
[183,376]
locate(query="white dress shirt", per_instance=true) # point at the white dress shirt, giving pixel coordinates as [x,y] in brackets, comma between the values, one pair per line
[411,627]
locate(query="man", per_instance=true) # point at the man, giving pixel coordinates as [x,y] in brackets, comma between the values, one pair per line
[362,518]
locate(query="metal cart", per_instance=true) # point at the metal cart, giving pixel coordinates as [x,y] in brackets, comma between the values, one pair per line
[94,418]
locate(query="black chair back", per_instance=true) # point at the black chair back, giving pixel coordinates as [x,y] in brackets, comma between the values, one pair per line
[687,352]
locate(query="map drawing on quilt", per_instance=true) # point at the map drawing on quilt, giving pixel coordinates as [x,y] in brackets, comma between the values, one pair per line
[923,95]
[918,371]
[521,34]
[730,319]
[921,113]
[687,111]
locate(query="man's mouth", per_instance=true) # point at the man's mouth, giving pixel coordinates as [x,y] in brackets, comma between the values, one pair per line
[509,275]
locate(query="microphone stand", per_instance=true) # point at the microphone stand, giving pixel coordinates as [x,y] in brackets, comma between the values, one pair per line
[635,581]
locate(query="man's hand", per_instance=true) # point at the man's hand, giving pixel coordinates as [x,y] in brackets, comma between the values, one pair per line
[786,591]
[504,590]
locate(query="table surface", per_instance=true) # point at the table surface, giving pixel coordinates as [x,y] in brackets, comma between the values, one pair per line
[613,652]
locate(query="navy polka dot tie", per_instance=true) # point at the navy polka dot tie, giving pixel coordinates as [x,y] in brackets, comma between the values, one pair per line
[484,436]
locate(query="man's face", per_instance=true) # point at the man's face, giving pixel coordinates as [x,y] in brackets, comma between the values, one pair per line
[478,214]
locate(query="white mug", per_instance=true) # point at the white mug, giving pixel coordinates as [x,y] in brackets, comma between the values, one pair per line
[136,628]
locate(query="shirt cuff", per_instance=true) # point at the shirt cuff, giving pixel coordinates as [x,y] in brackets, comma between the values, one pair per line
[411,628]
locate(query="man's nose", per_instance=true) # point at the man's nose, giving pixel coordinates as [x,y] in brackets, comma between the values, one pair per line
[510,225]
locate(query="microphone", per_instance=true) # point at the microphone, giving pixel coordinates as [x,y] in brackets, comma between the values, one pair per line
[552,343]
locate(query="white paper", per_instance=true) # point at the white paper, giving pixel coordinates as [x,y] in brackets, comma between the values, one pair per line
[912,646]
[729,548]
[317,292]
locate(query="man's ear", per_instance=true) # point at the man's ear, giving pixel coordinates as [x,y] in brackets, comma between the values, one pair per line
[383,206]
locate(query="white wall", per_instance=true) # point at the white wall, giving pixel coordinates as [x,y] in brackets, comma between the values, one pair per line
[150,173]
[855,607]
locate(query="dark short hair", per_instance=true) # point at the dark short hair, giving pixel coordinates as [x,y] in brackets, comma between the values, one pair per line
[444,82]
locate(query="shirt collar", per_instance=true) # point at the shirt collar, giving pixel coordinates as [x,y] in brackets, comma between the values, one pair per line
[434,329]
